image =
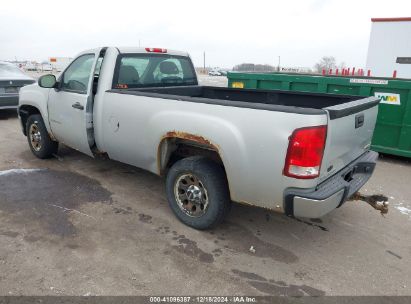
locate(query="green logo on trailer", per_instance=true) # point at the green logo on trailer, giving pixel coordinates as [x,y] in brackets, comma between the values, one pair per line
[389,98]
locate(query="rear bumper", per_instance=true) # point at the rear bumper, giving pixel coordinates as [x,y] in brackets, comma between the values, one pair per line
[333,192]
[9,101]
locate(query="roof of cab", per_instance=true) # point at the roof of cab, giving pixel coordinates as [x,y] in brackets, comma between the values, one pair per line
[130,50]
[134,50]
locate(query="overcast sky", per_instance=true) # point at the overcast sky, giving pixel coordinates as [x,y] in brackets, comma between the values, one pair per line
[230,32]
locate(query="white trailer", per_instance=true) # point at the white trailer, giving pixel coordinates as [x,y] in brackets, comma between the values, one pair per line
[60,63]
[389,50]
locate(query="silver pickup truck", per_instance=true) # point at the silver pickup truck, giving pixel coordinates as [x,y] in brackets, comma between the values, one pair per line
[300,154]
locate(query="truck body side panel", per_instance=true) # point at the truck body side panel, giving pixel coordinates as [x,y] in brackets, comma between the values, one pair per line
[252,143]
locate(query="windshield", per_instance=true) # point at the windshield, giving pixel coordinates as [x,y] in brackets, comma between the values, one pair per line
[9,70]
[153,70]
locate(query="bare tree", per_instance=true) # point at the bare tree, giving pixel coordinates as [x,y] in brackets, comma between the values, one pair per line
[326,63]
[251,67]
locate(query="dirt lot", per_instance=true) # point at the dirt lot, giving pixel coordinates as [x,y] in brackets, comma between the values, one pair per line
[74,225]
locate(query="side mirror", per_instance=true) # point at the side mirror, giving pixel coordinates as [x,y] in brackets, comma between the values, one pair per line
[47,81]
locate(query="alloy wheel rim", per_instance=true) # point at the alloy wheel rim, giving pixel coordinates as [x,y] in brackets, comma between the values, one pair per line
[35,137]
[191,195]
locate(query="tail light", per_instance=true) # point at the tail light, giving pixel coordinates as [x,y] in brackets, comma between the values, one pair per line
[305,152]
[156,50]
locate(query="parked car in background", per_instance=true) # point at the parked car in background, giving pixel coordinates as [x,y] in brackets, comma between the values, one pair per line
[214,73]
[11,80]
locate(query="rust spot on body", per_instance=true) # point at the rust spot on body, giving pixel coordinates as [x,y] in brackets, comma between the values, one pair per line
[276,207]
[196,138]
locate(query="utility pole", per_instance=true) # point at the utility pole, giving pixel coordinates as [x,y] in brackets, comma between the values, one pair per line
[138,42]
[279,62]
[204,62]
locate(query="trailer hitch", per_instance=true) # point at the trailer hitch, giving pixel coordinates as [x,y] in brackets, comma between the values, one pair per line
[377,201]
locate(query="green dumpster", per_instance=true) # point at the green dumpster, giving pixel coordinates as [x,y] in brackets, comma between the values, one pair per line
[393,130]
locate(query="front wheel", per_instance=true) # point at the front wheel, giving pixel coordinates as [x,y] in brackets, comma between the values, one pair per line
[197,192]
[39,140]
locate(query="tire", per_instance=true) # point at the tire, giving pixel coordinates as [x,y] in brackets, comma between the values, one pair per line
[38,138]
[206,176]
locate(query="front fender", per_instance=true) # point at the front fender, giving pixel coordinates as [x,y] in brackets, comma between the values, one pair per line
[37,97]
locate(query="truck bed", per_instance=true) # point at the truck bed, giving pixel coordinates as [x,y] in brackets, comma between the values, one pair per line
[350,120]
[284,101]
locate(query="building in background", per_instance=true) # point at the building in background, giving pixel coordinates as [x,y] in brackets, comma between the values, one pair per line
[389,49]
[60,63]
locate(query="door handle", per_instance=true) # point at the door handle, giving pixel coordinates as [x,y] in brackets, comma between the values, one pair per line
[77,105]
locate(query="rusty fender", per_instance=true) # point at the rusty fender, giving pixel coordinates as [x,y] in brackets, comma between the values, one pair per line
[191,137]
[185,136]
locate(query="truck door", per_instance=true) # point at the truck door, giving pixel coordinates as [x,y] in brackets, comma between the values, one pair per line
[70,106]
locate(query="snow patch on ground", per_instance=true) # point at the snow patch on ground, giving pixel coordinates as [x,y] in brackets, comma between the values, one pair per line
[403,210]
[18,171]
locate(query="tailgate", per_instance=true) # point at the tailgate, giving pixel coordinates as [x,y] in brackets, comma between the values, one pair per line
[350,129]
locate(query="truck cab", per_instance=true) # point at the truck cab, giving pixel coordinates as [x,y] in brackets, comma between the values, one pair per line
[74,106]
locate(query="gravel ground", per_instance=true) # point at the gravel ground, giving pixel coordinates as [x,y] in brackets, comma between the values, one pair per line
[73,225]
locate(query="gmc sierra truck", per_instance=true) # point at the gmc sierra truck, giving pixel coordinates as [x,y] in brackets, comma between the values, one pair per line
[300,154]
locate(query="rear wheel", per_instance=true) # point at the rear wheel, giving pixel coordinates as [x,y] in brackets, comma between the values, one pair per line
[38,138]
[197,192]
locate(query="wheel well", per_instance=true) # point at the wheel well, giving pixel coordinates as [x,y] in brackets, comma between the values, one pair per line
[172,150]
[25,111]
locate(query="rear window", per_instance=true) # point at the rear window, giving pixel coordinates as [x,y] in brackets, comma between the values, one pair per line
[153,70]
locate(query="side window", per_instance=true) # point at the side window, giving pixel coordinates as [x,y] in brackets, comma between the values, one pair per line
[76,78]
